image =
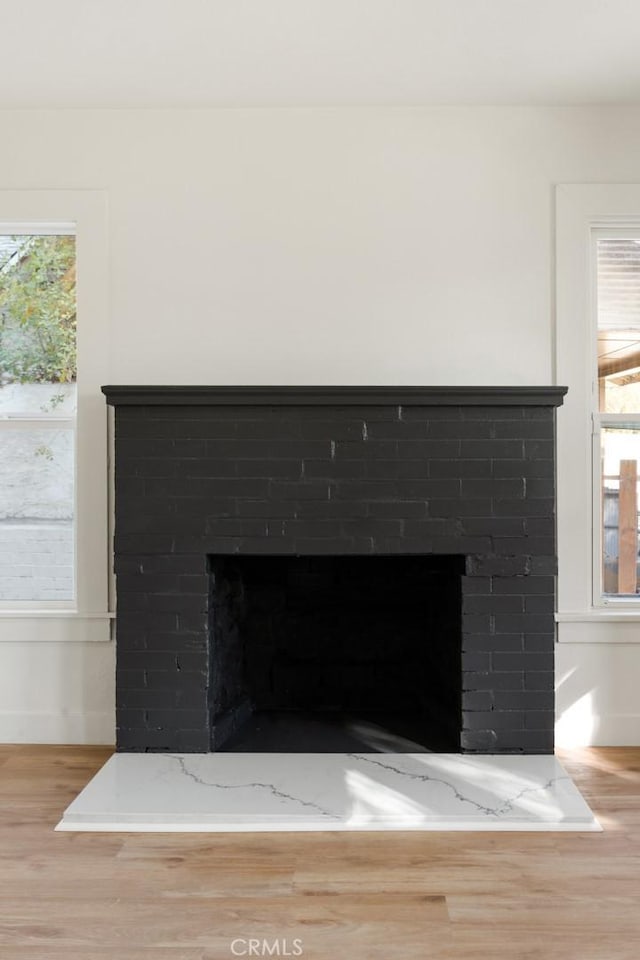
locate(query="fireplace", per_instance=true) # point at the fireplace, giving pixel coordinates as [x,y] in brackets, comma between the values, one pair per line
[376,563]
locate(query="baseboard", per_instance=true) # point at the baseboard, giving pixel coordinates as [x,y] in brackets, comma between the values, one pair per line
[88,728]
[595,730]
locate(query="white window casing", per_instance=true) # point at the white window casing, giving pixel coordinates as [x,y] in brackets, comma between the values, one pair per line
[83,212]
[583,213]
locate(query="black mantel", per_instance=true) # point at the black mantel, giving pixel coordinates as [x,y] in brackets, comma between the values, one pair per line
[123,395]
[206,471]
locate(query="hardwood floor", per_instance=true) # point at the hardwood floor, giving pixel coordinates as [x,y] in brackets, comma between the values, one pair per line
[334,896]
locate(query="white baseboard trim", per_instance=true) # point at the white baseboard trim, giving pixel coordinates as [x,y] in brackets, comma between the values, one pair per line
[96,728]
[604,730]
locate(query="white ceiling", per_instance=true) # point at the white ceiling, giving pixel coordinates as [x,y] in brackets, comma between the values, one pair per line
[199,53]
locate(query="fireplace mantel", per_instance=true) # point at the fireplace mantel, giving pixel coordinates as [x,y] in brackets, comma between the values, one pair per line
[138,395]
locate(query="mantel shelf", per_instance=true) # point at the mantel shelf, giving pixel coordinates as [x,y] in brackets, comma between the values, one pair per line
[542,396]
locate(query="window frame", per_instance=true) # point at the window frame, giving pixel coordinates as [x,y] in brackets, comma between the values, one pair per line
[39,211]
[584,213]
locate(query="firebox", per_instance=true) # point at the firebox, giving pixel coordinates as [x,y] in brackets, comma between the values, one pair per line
[327,654]
[319,567]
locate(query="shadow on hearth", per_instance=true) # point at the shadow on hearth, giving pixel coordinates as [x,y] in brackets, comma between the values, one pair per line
[305,732]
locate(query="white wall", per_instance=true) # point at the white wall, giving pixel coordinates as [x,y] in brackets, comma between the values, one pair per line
[320,246]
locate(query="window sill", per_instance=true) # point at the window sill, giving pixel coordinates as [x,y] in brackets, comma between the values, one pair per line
[604,615]
[48,614]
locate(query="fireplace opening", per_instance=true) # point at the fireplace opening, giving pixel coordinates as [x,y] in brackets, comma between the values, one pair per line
[335,653]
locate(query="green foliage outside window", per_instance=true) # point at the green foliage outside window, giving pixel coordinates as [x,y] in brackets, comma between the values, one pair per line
[38,312]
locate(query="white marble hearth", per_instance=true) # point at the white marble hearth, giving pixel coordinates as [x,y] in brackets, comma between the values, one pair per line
[305,791]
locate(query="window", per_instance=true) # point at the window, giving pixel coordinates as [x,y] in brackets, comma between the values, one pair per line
[61,437]
[616,415]
[37,415]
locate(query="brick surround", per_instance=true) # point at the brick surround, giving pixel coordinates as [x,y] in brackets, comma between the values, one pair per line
[205,471]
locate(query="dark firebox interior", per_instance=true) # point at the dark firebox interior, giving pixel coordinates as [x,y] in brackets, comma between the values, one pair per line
[336,654]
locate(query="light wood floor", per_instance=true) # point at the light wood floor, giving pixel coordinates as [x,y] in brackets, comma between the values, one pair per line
[360,896]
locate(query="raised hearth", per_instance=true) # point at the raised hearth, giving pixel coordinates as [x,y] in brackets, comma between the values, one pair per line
[260,792]
[212,482]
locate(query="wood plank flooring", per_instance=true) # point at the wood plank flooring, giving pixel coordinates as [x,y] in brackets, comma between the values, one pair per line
[339,896]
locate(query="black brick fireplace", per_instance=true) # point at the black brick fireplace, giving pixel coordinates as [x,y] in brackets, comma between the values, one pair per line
[382,552]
